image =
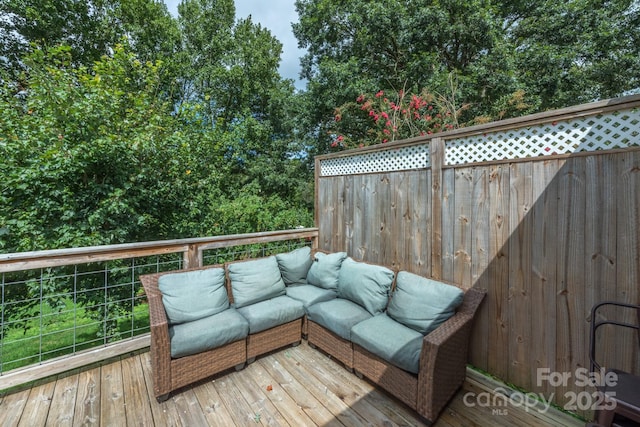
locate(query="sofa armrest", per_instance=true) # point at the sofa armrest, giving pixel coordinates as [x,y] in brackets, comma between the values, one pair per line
[443,359]
[160,350]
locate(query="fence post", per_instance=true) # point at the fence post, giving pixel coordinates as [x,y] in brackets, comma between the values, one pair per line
[192,258]
[436,154]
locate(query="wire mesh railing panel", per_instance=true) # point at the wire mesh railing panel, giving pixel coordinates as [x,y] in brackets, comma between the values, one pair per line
[256,250]
[51,312]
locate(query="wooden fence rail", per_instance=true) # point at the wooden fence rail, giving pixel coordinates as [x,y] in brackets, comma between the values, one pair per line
[548,234]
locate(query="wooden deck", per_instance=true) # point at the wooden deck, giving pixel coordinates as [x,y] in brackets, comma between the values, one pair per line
[295,386]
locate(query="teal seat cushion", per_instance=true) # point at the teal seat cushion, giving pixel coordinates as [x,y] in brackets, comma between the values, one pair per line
[295,265]
[338,315]
[192,295]
[390,340]
[207,333]
[309,294]
[423,304]
[325,269]
[267,314]
[254,281]
[365,284]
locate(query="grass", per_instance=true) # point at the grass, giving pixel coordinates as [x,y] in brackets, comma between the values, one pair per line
[57,333]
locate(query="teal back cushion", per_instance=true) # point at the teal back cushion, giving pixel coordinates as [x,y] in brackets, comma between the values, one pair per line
[423,304]
[254,281]
[365,284]
[295,265]
[325,268]
[192,295]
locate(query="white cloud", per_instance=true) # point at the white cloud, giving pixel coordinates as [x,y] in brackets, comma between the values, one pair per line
[277,16]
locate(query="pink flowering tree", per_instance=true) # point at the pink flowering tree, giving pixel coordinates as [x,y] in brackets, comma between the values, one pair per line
[392,115]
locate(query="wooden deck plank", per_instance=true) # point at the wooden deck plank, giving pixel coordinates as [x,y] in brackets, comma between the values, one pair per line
[308,388]
[348,387]
[112,395]
[164,413]
[64,400]
[212,407]
[333,403]
[188,407]
[301,396]
[36,410]
[87,409]
[240,410]
[278,396]
[12,407]
[138,411]
[256,397]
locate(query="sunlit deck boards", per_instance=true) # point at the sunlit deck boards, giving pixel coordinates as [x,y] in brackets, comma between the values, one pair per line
[295,386]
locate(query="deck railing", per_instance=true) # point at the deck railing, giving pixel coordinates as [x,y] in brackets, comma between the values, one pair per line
[63,309]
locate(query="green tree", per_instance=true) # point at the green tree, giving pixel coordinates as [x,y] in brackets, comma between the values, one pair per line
[508,58]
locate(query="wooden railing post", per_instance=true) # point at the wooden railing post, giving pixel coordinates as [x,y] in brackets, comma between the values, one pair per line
[436,154]
[192,258]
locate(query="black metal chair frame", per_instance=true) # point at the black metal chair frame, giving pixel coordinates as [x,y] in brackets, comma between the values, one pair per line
[623,397]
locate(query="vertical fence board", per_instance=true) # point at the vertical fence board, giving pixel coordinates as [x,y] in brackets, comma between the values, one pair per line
[359,244]
[348,206]
[436,152]
[448,224]
[543,268]
[387,240]
[498,272]
[571,339]
[600,241]
[463,202]
[519,273]
[480,260]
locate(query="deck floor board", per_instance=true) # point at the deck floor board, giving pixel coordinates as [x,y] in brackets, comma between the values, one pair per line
[292,387]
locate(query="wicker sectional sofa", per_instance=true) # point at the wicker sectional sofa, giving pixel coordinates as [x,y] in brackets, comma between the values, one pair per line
[406,333]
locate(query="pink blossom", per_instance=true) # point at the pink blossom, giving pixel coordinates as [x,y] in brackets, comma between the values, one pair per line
[379,94]
[340,138]
[384,115]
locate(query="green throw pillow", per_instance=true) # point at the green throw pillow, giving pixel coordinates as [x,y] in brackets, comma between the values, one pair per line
[295,265]
[254,281]
[423,304]
[365,284]
[193,295]
[325,269]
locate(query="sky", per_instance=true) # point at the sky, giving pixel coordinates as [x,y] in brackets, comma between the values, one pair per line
[277,16]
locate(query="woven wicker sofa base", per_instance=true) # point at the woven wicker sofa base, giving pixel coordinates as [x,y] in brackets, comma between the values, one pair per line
[399,383]
[336,346]
[189,369]
[274,338]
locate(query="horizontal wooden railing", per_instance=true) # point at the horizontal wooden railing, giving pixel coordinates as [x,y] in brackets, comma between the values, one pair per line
[192,256]
[191,248]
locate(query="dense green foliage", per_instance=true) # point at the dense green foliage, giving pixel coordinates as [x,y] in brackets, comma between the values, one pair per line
[505,58]
[177,130]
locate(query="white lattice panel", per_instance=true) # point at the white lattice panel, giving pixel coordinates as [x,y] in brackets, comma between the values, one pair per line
[405,158]
[620,129]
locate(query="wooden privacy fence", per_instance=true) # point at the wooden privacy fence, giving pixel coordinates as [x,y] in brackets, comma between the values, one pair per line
[542,211]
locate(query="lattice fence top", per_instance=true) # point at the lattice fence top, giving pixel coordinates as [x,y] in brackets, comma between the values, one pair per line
[619,129]
[404,158]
